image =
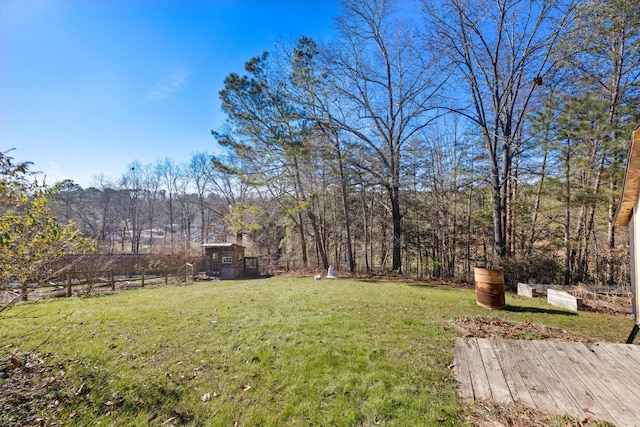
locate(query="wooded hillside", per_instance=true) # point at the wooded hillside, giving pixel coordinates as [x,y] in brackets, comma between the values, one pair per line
[423,142]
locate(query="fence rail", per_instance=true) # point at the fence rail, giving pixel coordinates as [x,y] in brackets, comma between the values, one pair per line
[94,273]
[123,264]
[77,284]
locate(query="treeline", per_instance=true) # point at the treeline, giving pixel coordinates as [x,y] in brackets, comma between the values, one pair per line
[161,207]
[423,141]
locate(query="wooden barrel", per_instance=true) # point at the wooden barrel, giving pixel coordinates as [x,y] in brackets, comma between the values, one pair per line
[489,287]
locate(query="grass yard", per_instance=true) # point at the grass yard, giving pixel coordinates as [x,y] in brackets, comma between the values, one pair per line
[269,352]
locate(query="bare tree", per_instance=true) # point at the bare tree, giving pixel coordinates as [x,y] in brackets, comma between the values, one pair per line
[200,173]
[132,209]
[603,51]
[169,173]
[502,49]
[151,184]
[107,215]
[385,88]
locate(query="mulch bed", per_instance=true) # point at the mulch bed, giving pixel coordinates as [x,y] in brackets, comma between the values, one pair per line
[492,327]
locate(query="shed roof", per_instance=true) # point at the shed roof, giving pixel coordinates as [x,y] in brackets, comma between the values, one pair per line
[220,245]
[631,184]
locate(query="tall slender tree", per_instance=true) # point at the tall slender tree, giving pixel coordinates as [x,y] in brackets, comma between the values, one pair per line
[603,57]
[502,50]
[385,88]
[272,134]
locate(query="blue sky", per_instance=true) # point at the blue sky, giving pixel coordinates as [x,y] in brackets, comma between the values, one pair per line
[87,86]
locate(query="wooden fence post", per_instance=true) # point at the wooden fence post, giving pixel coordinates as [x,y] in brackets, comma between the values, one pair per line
[69,285]
[113,282]
[143,277]
[166,277]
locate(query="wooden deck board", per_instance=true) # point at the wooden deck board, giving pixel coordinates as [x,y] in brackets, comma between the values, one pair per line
[600,383]
[519,391]
[581,380]
[479,380]
[528,372]
[461,369]
[619,380]
[587,390]
[577,383]
[499,388]
[624,355]
[543,370]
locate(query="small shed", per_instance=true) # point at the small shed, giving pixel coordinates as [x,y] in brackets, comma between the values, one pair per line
[628,214]
[224,260]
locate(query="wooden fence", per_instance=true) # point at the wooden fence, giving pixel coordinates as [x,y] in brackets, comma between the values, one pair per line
[96,273]
[123,264]
[86,274]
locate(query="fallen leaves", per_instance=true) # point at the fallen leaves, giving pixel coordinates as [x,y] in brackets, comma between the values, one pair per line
[494,414]
[27,385]
[207,396]
[493,327]
[78,391]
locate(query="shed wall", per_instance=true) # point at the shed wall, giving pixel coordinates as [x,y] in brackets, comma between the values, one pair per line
[634,246]
[218,265]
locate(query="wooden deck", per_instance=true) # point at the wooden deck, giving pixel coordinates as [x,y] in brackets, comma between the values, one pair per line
[600,381]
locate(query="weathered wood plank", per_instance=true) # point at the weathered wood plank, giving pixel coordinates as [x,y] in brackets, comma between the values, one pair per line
[461,369]
[624,387]
[495,375]
[626,360]
[479,380]
[546,370]
[632,351]
[578,384]
[507,361]
[607,386]
[582,380]
[529,374]
[619,413]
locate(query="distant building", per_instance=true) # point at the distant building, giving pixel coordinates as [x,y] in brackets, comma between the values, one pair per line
[227,261]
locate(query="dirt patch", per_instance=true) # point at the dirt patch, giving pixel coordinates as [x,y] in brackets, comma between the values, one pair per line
[492,327]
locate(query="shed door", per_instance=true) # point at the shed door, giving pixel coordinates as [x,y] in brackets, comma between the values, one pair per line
[215,264]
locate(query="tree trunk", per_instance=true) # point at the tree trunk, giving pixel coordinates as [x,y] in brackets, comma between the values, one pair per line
[536,204]
[303,241]
[396,219]
[345,206]
[320,247]
[567,218]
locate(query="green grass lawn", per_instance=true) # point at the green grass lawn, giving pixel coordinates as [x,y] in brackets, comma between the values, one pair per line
[269,352]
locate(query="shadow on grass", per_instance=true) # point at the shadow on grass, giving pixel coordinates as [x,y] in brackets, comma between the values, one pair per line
[519,309]
[442,286]
[414,285]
